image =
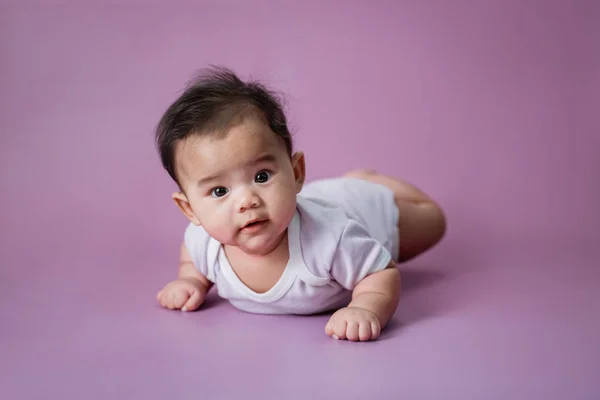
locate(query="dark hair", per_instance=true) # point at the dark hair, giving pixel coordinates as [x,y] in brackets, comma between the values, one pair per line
[212,103]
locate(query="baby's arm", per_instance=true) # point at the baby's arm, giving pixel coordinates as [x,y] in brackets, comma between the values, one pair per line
[189,291]
[379,293]
[374,301]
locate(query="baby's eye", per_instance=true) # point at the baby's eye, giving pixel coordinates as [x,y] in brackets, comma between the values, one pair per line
[262,177]
[219,191]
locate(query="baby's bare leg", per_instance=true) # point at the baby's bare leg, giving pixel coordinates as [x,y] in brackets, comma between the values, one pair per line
[421,223]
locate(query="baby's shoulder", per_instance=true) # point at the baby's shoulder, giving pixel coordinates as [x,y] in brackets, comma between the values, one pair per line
[337,247]
[325,232]
[321,220]
[195,234]
[202,249]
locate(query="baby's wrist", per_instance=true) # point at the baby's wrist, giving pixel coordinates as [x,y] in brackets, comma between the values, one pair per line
[375,303]
[196,282]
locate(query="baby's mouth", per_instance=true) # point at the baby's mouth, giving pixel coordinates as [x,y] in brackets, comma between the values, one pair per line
[254,225]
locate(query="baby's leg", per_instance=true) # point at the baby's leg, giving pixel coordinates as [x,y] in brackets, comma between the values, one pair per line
[421,223]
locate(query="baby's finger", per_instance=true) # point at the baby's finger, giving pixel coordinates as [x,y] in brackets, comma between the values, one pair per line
[339,329]
[170,299]
[162,298]
[329,328]
[352,331]
[364,331]
[375,330]
[193,302]
[179,299]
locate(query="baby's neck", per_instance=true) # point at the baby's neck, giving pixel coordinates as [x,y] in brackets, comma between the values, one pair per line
[259,272]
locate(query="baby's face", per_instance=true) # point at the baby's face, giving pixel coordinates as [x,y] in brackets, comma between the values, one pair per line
[242,187]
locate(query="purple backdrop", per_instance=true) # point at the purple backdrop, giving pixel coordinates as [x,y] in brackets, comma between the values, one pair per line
[492,108]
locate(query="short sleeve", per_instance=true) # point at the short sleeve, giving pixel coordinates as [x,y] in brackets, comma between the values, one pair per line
[357,255]
[197,243]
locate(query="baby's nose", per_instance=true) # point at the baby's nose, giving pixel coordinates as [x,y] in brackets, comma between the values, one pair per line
[248,200]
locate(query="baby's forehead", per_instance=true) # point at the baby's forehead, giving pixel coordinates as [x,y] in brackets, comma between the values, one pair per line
[239,140]
[219,151]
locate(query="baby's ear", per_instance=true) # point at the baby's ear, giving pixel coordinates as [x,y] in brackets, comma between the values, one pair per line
[299,169]
[184,205]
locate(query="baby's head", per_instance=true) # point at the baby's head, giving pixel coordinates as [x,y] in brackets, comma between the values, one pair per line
[226,144]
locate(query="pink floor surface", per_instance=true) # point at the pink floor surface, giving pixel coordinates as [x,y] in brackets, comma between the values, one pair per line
[519,324]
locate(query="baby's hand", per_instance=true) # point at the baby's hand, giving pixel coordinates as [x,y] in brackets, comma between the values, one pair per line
[185,294]
[353,323]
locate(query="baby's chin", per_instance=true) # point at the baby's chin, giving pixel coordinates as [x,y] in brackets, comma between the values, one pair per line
[261,245]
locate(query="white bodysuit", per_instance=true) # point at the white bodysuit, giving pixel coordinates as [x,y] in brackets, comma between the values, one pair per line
[343,230]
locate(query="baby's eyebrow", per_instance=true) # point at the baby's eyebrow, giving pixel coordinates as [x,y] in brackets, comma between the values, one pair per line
[208,179]
[266,158]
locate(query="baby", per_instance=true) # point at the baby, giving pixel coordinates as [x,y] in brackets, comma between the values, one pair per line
[268,241]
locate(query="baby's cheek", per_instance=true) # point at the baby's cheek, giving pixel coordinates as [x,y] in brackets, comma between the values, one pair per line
[219,228]
[284,209]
